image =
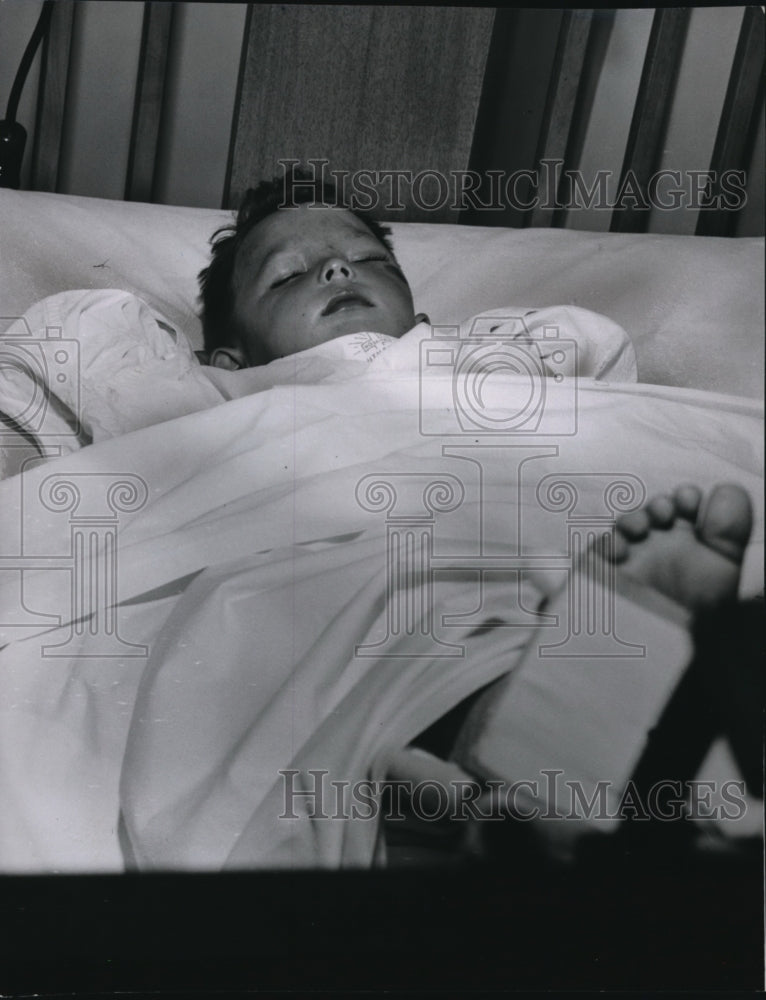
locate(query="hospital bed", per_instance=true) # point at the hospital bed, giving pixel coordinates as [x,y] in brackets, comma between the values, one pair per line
[692,306]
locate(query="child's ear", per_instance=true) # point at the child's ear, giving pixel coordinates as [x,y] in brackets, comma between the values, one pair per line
[230,358]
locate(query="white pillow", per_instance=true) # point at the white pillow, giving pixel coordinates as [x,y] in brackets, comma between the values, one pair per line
[54,243]
[693,306]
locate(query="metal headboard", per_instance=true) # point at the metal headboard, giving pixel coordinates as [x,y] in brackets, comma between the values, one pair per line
[526,81]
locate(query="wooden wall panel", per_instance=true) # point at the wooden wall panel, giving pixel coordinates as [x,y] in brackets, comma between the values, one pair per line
[366,87]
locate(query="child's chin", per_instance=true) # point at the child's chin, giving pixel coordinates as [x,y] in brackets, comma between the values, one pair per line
[355,324]
[366,320]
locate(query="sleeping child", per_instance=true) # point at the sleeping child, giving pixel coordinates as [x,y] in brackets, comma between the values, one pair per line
[293,294]
[314,293]
[282,281]
[291,280]
[289,276]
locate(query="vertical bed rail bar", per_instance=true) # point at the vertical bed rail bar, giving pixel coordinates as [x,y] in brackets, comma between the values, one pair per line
[558,118]
[737,127]
[51,103]
[510,115]
[226,196]
[147,108]
[650,115]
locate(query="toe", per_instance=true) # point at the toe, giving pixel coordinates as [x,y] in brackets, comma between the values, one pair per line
[687,499]
[613,547]
[726,520]
[619,547]
[662,512]
[634,526]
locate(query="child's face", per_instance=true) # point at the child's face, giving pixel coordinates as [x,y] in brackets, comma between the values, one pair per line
[310,274]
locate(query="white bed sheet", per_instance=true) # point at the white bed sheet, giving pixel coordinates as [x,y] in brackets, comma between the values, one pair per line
[252,505]
[251,571]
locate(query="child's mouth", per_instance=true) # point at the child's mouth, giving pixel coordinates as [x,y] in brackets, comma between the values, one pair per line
[345,300]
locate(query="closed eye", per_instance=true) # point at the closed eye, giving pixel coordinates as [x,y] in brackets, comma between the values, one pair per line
[284,279]
[393,267]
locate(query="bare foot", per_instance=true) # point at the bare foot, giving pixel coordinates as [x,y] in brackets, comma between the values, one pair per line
[686,546]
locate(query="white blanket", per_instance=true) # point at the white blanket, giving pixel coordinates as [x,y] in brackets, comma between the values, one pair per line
[252,565]
[82,366]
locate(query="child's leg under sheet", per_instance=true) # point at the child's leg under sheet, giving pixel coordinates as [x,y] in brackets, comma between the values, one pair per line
[593,728]
[562,720]
[563,734]
[572,745]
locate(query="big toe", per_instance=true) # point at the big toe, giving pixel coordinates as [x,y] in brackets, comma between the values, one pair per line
[726,520]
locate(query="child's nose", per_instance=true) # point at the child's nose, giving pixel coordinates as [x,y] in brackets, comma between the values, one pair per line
[335,270]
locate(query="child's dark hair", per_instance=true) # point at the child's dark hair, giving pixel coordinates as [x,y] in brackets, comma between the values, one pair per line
[216,280]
